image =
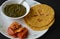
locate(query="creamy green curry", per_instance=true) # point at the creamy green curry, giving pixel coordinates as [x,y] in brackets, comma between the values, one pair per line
[14,10]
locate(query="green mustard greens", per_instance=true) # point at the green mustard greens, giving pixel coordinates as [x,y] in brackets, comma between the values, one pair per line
[14,10]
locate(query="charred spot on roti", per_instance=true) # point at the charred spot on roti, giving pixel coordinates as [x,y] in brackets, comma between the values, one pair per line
[39,20]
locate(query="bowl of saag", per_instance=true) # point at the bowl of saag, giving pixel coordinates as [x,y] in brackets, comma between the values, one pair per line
[15,9]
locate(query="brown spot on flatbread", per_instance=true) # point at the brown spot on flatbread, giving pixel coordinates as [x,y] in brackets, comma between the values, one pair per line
[39,20]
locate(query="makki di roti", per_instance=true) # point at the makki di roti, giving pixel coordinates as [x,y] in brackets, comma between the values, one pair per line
[43,27]
[40,15]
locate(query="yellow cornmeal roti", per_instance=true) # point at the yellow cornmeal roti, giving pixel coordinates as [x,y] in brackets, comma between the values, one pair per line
[43,27]
[39,15]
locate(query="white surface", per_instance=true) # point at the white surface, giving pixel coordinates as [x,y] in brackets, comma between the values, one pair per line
[15,2]
[5,22]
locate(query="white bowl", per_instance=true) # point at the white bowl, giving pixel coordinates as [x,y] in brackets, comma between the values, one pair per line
[15,2]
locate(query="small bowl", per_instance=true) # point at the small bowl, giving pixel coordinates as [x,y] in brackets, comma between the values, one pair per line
[25,4]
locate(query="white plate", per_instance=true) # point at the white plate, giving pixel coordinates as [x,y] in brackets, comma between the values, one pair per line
[5,22]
